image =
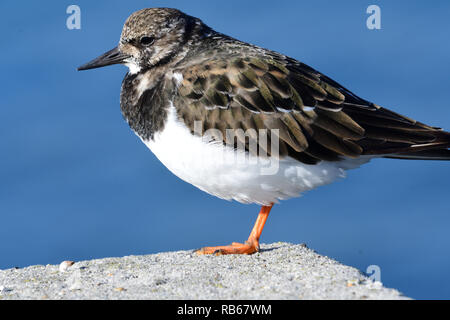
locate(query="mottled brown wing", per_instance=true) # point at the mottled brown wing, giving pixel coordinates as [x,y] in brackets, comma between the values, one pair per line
[317,118]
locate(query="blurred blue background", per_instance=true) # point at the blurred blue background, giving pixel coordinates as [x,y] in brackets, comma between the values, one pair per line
[76,183]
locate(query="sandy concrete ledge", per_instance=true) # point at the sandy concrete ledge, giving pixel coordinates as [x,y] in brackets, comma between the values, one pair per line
[279,271]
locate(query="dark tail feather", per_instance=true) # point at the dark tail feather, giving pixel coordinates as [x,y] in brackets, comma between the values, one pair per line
[390,135]
[434,154]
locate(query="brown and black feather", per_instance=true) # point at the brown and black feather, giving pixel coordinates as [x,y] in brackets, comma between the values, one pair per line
[318,119]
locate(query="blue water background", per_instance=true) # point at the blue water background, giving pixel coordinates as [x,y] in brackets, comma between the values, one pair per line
[76,183]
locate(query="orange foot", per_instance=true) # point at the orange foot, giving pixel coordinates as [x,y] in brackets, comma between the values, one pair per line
[250,246]
[234,248]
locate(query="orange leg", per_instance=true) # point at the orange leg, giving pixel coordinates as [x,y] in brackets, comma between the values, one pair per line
[250,246]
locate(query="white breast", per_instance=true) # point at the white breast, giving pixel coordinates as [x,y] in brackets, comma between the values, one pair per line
[229,174]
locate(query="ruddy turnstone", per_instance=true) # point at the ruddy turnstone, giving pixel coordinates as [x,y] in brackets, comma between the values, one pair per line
[249,124]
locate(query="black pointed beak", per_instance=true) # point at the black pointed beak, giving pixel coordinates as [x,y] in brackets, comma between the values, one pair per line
[111,57]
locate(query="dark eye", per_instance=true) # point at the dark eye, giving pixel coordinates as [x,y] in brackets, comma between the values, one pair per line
[147,41]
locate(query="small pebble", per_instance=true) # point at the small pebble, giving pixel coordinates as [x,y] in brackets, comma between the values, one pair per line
[4,289]
[352,283]
[65,265]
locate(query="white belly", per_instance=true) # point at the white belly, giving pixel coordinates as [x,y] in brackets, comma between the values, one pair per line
[234,175]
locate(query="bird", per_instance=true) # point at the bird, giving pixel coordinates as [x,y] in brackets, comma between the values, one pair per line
[249,124]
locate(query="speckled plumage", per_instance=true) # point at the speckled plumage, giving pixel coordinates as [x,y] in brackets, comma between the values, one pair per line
[183,73]
[229,84]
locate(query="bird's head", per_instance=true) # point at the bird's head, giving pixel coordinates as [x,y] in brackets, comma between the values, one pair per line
[149,37]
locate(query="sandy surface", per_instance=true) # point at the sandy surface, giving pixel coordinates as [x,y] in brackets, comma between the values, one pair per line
[279,271]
